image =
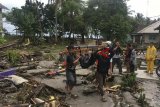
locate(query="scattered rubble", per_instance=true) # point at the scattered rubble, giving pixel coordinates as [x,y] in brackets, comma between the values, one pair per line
[36,83]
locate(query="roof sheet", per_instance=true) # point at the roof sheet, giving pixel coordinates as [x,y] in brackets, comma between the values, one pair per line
[151,28]
[3,7]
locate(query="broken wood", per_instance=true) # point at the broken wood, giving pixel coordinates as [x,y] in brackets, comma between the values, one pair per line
[22,68]
[115,87]
[37,71]
[37,100]
[25,92]
[28,63]
[110,90]
[36,91]
[8,45]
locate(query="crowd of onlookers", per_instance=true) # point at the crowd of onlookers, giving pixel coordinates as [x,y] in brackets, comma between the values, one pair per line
[105,59]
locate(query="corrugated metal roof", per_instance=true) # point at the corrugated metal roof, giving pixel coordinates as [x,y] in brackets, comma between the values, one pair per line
[151,28]
[3,7]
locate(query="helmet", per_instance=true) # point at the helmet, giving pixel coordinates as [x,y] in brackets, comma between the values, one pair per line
[108,43]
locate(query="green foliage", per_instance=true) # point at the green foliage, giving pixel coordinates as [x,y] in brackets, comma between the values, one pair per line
[141,99]
[28,19]
[71,17]
[138,22]
[13,57]
[2,40]
[109,17]
[129,80]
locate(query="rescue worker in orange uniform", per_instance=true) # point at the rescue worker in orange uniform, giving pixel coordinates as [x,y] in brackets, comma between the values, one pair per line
[150,57]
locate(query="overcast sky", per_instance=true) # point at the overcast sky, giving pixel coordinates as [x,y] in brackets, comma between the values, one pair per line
[149,8]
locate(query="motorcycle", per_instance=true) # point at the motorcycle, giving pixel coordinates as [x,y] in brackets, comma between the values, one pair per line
[158,68]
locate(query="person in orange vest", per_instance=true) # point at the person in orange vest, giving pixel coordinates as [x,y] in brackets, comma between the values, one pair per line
[150,57]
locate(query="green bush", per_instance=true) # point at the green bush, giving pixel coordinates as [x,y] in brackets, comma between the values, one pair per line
[129,80]
[2,40]
[13,57]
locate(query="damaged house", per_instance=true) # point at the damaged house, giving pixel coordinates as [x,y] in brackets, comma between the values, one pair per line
[147,35]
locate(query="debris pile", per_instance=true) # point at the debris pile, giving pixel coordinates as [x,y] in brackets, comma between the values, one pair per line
[30,92]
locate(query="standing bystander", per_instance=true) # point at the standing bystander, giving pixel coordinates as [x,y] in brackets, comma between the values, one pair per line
[133,59]
[117,57]
[128,57]
[150,57]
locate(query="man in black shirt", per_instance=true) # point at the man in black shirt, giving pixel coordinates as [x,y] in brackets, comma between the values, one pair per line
[71,62]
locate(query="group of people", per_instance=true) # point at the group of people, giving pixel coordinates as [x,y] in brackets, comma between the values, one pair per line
[105,59]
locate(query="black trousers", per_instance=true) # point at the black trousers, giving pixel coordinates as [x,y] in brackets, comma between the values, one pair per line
[118,62]
[132,67]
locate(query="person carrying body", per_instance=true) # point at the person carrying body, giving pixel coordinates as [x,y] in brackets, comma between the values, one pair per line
[103,58]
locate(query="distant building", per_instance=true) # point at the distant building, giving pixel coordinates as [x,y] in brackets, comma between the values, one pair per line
[1,22]
[148,34]
[158,28]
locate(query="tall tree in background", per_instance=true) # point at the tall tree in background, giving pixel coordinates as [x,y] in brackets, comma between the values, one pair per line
[70,16]
[49,20]
[109,16]
[28,20]
[138,22]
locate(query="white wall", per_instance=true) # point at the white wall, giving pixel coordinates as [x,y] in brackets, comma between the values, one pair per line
[147,40]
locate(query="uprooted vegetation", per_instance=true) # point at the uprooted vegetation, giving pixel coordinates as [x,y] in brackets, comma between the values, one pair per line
[129,81]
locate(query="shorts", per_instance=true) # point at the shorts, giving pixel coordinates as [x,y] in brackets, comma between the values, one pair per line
[71,78]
